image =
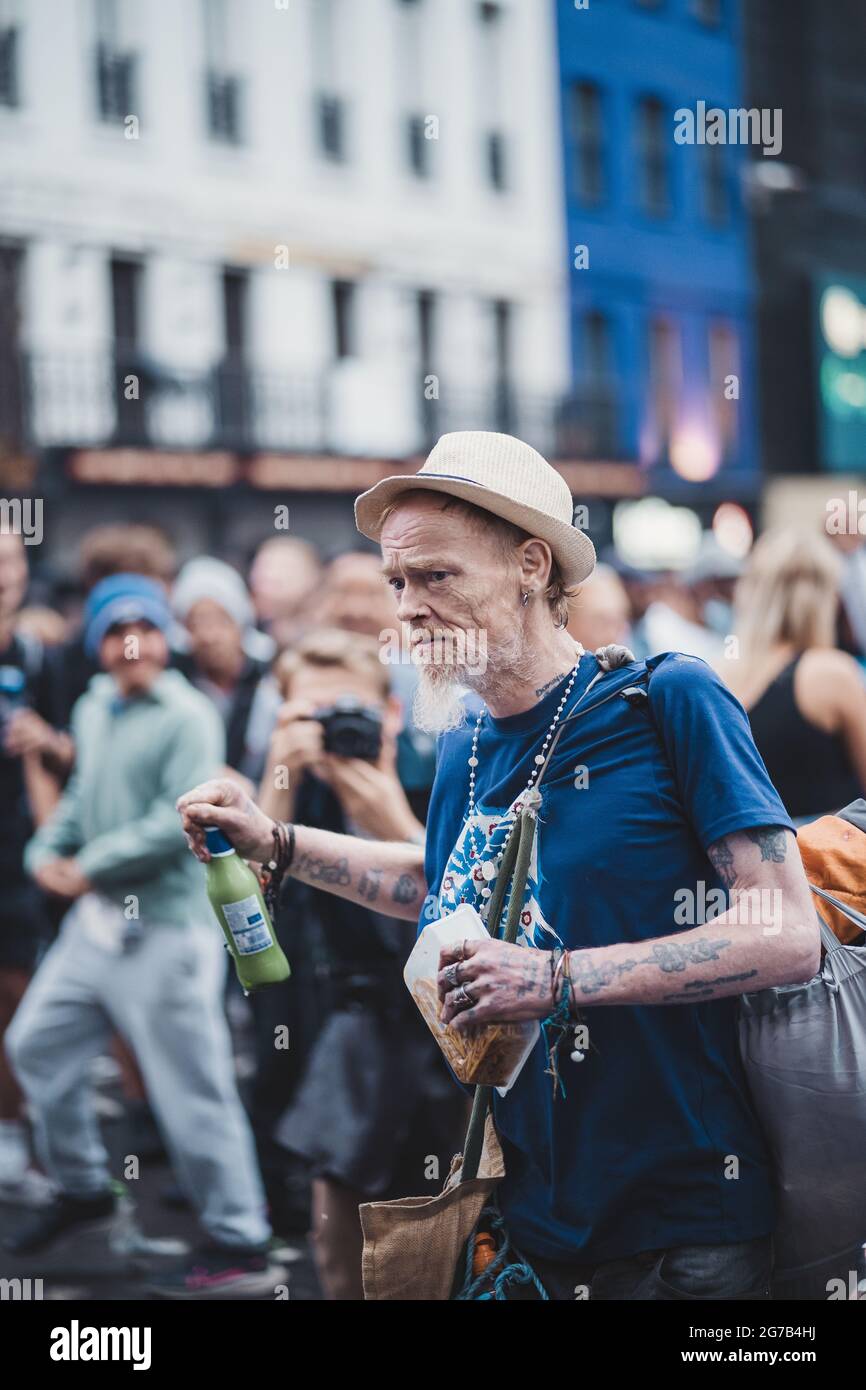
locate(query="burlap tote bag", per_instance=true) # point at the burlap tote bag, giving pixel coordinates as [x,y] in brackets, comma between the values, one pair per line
[412,1246]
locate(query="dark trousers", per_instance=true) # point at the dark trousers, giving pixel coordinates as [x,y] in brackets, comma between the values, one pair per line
[740,1271]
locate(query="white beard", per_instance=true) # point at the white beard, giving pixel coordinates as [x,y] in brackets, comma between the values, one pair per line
[438,706]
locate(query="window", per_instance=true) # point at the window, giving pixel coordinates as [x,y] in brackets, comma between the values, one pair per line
[411,47]
[129,405]
[502,354]
[426,311]
[496,170]
[12,395]
[115,67]
[597,353]
[665,374]
[724,350]
[329,19]
[232,379]
[417,146]
[587,135]
[235,284]
[714,187]
[502,337]
[222,87]
[343,302]
[330,127]
[653,148]
[491,93]
[10,38]
[125,296]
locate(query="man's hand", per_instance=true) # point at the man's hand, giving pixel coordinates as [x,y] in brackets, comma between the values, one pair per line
[508,983]
[28,732]
[370,795]
[226,805]
[297,740]
[63,878]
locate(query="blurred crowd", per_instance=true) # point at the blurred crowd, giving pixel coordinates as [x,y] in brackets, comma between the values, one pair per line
[108,949]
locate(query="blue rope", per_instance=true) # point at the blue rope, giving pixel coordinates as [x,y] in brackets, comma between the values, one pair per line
[558,1022]
[516,1271]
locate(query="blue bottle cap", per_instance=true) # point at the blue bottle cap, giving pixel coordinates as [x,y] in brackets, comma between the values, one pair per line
[217,842]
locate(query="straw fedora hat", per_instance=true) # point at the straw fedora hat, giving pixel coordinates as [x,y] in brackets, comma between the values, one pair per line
[504,476]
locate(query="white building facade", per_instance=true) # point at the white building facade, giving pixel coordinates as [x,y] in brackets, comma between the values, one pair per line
[280,226]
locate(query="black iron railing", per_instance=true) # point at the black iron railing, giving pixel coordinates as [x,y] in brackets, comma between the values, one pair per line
[131,399]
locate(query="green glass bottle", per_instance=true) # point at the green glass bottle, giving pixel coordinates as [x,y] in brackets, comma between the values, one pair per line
[236,898]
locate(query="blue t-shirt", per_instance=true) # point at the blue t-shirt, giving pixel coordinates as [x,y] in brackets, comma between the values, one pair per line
[655,1143]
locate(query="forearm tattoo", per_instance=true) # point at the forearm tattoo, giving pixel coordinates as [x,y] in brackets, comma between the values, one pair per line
[590,977]
[405,889]
[706,989]
[369,884]
[318,869]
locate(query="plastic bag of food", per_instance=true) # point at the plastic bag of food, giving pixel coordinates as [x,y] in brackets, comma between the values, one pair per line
[490,1055]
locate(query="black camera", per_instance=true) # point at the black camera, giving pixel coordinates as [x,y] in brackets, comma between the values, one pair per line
[352,730]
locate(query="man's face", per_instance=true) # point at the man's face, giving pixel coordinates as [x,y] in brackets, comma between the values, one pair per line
[133,654]
[13,574]
[216,640]
[459,594]
[354,597]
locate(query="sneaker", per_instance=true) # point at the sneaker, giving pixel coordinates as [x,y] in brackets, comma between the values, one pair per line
[220,1271]
[64,1217]
[28,1189]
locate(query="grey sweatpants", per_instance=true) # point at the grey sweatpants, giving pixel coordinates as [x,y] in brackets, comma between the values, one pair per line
[165,998]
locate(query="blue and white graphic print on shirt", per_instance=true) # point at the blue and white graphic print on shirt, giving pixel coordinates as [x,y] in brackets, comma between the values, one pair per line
[464,881]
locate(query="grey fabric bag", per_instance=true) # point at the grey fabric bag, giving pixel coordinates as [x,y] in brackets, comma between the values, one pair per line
[804,1051]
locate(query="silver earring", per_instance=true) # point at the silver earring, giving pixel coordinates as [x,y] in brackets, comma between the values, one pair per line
[525,599]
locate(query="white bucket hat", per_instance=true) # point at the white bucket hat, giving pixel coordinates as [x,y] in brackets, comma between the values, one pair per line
[504,476]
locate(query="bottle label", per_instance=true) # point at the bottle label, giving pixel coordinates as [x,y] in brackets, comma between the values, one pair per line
[247,925]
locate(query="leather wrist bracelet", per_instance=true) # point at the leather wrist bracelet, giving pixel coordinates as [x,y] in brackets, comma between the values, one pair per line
[275,870]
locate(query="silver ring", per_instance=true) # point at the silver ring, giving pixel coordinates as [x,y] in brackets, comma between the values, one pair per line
[452,974]
[462,999]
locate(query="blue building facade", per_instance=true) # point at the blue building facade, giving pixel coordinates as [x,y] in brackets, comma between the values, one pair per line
[661,287]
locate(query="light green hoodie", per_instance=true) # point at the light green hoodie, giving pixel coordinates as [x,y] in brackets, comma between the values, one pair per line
[117,815]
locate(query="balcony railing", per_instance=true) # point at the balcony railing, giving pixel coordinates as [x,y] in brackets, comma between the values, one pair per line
[351,408]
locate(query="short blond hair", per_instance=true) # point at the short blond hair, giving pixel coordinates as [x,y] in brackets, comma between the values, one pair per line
[334,648]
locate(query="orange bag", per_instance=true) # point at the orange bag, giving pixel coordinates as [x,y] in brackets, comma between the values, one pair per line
[833,850]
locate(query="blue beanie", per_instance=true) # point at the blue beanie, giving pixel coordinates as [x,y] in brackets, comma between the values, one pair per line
[123,598]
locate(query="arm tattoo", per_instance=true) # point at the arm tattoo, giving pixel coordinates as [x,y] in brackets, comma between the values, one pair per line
[369,884]
[771,841]
[405,889]
[704,989]
[674,955]
[588,977]
[722,860]
[317,869]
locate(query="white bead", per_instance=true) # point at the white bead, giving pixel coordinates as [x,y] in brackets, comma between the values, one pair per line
[473,762]
[578,1056]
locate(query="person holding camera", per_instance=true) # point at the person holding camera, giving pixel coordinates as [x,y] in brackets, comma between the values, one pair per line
[370,1098]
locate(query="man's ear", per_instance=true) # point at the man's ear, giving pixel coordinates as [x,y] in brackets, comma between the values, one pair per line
[536,563]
